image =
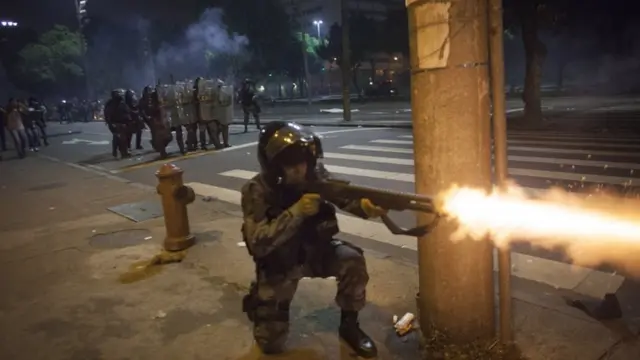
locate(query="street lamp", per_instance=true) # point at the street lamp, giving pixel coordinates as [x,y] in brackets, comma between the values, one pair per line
[83,19]
[8,23]
[317,23]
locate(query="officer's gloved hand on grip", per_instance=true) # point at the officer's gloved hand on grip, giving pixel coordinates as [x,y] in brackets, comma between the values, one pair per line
[308,205]
[370,209]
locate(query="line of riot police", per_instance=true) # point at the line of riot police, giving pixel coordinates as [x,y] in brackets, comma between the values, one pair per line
[202,108]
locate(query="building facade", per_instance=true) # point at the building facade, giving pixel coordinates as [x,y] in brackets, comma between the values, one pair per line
[307,12]
[315,17]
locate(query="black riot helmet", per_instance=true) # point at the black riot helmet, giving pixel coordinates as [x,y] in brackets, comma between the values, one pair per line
[147,91]
[196,83]
[130,95]
[284,144]
[117,94]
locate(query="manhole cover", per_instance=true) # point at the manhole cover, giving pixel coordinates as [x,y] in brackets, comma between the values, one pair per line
[48,186]
[119,239]
[140,211]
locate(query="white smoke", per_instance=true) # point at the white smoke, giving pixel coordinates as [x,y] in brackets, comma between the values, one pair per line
[187,57]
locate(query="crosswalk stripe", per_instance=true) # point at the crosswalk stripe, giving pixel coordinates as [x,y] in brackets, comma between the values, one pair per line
[557,175]
[239,174]
[396,142]
[530,159]
[553,273]
[377,174]
[576,162]
[590,145]
[527,142]
[378,148]
[573,151]
[366,158]
[511,148]
[408,177]
[568,136]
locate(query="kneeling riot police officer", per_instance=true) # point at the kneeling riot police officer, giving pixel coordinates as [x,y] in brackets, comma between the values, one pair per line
[289,234]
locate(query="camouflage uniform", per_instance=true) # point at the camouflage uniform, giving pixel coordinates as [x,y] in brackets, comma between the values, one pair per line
[287,247]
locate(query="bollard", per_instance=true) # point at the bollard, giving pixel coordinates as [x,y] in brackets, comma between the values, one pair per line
[175,198]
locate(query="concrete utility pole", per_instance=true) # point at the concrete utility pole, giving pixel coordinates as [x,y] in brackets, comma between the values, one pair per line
[345,67]
[452,145]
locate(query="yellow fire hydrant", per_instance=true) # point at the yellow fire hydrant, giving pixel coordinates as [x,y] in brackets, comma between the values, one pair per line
[175,198]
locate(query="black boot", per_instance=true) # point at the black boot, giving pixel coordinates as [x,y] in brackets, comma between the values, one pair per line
[351,333]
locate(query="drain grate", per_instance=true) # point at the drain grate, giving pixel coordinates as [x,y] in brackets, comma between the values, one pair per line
[139,211]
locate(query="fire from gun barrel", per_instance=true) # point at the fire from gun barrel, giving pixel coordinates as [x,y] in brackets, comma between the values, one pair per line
[592,230]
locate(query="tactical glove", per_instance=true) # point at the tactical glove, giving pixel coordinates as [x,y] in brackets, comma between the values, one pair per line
[371,210]
[308,205]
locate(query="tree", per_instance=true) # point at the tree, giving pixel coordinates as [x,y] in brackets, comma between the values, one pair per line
[54,58]
[529,18]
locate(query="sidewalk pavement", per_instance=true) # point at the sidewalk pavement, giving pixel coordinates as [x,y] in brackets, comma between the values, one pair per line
[63,256]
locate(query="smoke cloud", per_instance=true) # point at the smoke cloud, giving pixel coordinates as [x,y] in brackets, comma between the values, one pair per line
[187,58]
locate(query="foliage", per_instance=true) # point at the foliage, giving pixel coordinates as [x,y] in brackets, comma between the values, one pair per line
[55,57]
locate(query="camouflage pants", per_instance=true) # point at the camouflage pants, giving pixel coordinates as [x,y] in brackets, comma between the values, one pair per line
[273,295]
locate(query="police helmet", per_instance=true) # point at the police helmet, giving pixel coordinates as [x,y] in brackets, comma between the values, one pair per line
[284,144]
[117,93]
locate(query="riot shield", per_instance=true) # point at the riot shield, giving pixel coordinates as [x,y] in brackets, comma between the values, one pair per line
[170,98]
[187,103]
[224,108]
[206,99]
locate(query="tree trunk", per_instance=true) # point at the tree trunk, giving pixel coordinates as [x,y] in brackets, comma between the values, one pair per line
[372,63]
[354,78]
[562,65]
[535,54]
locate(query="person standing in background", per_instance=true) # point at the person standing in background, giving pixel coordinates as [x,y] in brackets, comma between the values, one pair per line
[16,127]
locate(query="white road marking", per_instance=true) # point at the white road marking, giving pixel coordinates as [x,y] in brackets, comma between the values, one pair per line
[573,151]
[576,162]
[589,145]
[544,174]
[560,137]
[378,148]
[554,273]
[366,158]
[531,159]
